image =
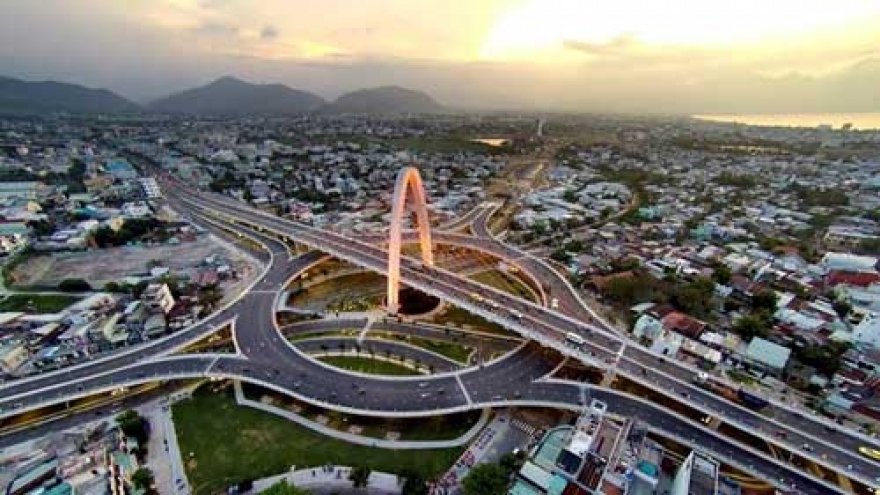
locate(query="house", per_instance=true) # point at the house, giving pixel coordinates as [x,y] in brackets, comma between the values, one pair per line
[767,355]
[12,356]
[157,297]
[868,331]
[848,262]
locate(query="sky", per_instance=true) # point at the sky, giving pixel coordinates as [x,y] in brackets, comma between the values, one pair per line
[657,56]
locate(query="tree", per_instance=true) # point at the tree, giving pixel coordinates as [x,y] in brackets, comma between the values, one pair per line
[694,297]
[753,325]
[570,195]
[413,484]
[561,255]
[764,300]
[284,488]
[359,476]
[133,425]
[486,479]
[842,308]
[41,228]
[143,479]
[721,273]
[74,285]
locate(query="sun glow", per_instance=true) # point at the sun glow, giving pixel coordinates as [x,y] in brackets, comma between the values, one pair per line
[536,28]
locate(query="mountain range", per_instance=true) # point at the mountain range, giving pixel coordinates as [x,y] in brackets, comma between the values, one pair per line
[26,97]
[225,96]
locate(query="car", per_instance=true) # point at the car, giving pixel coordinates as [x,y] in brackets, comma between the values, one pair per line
[869,452]
[807,447]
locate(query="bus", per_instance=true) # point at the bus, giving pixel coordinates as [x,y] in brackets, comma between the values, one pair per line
[575,338]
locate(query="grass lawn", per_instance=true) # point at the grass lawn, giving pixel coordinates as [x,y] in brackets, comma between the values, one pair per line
[741,377]
[368,365]
[37,303]
[505,283]
[444,427]
[451,350]
[459,316]
[231,443]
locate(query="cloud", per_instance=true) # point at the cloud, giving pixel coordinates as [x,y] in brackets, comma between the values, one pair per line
[217,29]
[269,32]
[620,45]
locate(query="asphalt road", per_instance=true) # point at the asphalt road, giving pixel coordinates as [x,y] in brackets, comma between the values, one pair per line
[270,360]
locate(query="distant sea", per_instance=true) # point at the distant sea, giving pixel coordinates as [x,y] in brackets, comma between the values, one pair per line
[858,120]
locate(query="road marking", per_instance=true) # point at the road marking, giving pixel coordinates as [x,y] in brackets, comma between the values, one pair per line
[213,362]
[467,396]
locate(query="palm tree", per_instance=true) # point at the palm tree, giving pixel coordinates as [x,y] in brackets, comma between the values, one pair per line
[341,347]
[324,348]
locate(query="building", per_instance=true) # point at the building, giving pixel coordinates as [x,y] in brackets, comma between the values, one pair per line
[868,331]
[698,475]
[573,459]
[848,262]
[12,356]
[23,190]
[769,356]
[157,297]
[151,188]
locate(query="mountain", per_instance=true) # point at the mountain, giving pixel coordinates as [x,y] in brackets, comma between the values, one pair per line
[30,97]
[384,100]
[231,96]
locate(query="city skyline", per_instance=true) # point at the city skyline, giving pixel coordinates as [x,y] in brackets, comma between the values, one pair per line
[558,55]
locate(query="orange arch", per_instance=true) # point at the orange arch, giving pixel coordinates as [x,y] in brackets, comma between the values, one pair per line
[409,184]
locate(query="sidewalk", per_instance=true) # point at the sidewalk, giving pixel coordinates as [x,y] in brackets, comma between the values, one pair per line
[332,478]
[475,454]
[163,455]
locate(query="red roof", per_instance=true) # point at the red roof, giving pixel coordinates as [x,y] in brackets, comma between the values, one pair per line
[858,279]
[684,324]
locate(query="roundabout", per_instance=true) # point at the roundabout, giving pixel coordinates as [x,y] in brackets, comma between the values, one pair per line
[522,377]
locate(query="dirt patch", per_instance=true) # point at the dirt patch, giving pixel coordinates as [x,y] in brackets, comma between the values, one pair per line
[104,265]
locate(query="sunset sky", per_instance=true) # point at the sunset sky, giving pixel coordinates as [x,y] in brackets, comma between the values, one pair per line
[679,56]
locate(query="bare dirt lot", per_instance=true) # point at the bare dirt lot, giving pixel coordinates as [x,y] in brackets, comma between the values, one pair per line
[104,265]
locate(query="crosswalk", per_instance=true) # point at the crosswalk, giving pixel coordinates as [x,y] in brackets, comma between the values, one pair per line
[524,427]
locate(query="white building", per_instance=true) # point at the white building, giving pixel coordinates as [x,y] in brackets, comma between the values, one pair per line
[868,331]
[848,262]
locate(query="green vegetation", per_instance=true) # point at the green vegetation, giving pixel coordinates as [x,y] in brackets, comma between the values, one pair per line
[265,445]
[458,316]
[504,282]
[456,352]
[368,365]
[37,303]
[828,197]
[143,480]
[134,425]
[736,180]
[134,229]
[739,376]
[486,479]
[359,476]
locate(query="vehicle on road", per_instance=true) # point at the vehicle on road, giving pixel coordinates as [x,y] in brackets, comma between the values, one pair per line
[575,339]
[869,452]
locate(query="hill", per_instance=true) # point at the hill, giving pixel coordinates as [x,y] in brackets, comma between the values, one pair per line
[384,100]
[36,97]
[231,96]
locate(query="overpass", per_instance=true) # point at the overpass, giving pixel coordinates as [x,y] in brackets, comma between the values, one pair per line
[272,363]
